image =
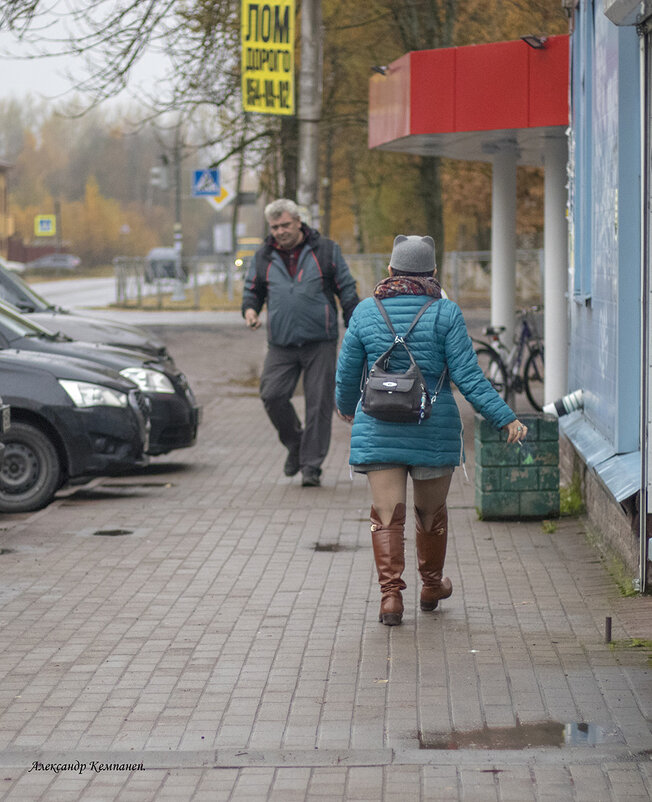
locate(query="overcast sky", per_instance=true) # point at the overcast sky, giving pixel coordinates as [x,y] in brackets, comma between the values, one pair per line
[41,77]
[46,77]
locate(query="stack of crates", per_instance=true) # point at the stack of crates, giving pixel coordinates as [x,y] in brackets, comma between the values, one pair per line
[514,482]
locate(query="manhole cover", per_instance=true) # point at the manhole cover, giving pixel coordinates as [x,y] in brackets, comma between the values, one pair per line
[113,532]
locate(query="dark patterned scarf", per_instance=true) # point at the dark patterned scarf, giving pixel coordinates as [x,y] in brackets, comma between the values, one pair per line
[407,285]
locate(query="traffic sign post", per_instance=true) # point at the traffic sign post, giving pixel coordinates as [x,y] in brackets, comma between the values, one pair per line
[220,200]
[179,292]
[45,225]
[158,177]
[205,183]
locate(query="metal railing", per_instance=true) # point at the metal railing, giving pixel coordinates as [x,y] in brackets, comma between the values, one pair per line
[465,275]
[134,284]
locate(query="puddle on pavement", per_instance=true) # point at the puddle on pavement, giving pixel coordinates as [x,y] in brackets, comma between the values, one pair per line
[243,394]
[333,547]
[581,734]
[129,485]
[82,497]
[113,532]
[248,385]
[522,736]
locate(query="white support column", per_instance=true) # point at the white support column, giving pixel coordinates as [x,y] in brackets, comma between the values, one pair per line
[503,240]
[555,244]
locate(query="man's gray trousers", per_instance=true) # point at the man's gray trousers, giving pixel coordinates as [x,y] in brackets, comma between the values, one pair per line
[281,371]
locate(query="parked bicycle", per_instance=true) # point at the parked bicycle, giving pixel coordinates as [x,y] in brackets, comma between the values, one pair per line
[519,369]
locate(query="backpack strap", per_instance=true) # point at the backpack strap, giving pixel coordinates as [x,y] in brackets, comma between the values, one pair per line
[325,258]
[401,340]
[262,258]
[323,253]
[384,359]
[383,312]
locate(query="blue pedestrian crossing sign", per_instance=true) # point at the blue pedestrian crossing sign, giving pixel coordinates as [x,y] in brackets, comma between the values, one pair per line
[205,182]
[45,225]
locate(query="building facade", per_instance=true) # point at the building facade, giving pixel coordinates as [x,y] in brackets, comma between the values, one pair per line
[604,446]
[580,107]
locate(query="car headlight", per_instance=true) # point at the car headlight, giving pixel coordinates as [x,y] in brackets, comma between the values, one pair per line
[85,394]
[148,380]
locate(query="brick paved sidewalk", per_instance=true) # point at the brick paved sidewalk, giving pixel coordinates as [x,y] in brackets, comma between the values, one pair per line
[227,647]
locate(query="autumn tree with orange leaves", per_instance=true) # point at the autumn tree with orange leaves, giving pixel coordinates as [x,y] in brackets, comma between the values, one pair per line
[367,196]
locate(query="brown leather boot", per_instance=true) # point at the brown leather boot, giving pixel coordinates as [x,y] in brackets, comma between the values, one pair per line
[431,553]
[389,554]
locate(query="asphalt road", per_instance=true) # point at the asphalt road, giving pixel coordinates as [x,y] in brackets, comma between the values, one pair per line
[85,293]
[77,293]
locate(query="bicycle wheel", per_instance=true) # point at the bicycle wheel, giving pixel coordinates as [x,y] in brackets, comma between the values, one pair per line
[493,369]
[533,379]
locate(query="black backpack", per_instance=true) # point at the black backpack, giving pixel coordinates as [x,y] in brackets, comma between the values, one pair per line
[398,397]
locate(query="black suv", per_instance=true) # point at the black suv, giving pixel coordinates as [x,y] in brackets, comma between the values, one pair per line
[175,414]
[69,419]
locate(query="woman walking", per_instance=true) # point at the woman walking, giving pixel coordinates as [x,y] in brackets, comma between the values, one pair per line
[428,451]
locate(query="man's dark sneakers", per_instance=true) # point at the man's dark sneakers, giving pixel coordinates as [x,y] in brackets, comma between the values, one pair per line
[311,477]
[292,464]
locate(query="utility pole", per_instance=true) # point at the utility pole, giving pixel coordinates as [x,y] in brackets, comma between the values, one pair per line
[178,231]
[57,224]
[179,294]
[310,103]
[235,209]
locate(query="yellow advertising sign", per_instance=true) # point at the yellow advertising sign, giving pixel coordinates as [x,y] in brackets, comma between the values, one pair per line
[45,225]
[267,38]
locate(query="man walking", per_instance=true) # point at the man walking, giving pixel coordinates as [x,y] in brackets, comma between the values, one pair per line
[298,273]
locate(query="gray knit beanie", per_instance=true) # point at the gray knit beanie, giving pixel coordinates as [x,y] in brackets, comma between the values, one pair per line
[413,254]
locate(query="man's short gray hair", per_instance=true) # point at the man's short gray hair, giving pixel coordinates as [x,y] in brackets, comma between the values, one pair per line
[278,207]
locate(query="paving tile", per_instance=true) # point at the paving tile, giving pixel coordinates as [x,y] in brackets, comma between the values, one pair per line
[220,626]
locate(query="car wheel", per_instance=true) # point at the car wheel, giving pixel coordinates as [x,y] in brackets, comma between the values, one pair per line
[31,471]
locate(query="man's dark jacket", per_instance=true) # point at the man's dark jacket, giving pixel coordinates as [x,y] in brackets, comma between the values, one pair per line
[300,309]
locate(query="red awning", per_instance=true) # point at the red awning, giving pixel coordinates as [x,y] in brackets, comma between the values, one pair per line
[467,102]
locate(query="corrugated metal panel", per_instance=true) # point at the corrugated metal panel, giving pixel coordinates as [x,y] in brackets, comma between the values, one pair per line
[620,473]
[588,442]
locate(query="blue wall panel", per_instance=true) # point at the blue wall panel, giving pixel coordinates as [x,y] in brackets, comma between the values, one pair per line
[605,310]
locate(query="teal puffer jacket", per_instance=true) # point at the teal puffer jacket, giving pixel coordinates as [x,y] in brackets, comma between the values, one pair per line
[438,340]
